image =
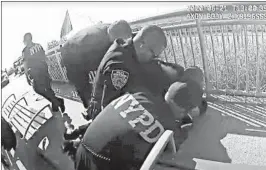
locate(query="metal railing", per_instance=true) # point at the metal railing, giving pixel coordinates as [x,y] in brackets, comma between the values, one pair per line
[55,68]
[232,54]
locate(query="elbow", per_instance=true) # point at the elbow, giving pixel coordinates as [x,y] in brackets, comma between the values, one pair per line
[167,98]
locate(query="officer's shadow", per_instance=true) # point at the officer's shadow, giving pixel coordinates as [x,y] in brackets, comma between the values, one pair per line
[203,142]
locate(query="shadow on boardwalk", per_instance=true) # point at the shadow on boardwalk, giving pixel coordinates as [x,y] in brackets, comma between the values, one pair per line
[228,133]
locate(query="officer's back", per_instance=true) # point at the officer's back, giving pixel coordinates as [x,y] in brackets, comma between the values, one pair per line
[127,129]
[33,55]
[87,47]
[93,39]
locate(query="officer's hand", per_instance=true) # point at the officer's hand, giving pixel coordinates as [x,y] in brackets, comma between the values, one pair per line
[94,108]
[76,142]
[92,111]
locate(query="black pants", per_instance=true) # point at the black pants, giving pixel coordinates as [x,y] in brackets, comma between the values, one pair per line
[79,77]
[42,86]
[84,160]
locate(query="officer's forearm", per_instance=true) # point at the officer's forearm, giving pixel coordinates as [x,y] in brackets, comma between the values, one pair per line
[82,129]
[96,93]
[176,110]
[74,135]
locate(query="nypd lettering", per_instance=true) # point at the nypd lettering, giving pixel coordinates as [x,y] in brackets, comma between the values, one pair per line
[119,78]
[35,49]
[144,121]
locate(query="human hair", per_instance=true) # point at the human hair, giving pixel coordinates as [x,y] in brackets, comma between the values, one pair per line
[28,35]
[153,38]
[119,29]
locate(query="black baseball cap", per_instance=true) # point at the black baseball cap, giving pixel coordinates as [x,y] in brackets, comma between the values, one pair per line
[189,95]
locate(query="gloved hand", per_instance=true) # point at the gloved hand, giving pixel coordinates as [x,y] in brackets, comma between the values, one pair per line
[92,111]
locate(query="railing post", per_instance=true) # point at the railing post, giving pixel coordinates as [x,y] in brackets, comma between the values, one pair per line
[204,58]
[63,68]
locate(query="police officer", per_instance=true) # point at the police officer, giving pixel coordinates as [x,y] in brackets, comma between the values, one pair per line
[82,54]
[120,70]
[123,140]
[36,68]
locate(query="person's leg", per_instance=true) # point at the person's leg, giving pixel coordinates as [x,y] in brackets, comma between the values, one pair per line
[40,88]
[80,80]
[84,91]
[83,87]
[50,94]
[203,107]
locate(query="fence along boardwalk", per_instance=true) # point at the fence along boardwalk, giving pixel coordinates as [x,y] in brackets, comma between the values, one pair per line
[235,53]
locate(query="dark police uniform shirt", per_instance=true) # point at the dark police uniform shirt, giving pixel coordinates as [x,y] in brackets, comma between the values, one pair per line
[119,71]
[86,48]
[34,58]
[161,75]
[136,123]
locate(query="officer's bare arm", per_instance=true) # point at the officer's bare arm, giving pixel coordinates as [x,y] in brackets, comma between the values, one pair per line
[178,111]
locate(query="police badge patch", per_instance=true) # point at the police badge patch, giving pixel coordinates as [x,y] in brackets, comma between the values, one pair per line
[119,78]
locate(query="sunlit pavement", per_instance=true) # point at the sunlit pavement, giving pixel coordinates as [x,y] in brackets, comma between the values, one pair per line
[20,88]
[227,134]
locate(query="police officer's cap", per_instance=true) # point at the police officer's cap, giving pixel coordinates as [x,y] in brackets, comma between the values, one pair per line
[154,37]
[120,29]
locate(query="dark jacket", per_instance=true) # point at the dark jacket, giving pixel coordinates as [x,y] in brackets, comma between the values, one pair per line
[126,137]
[119,72]
[86,48]
[8,137]
[34,59]
[161,75]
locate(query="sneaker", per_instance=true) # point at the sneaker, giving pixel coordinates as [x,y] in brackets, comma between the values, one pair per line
[203,107]
[62,105]
[186,121]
